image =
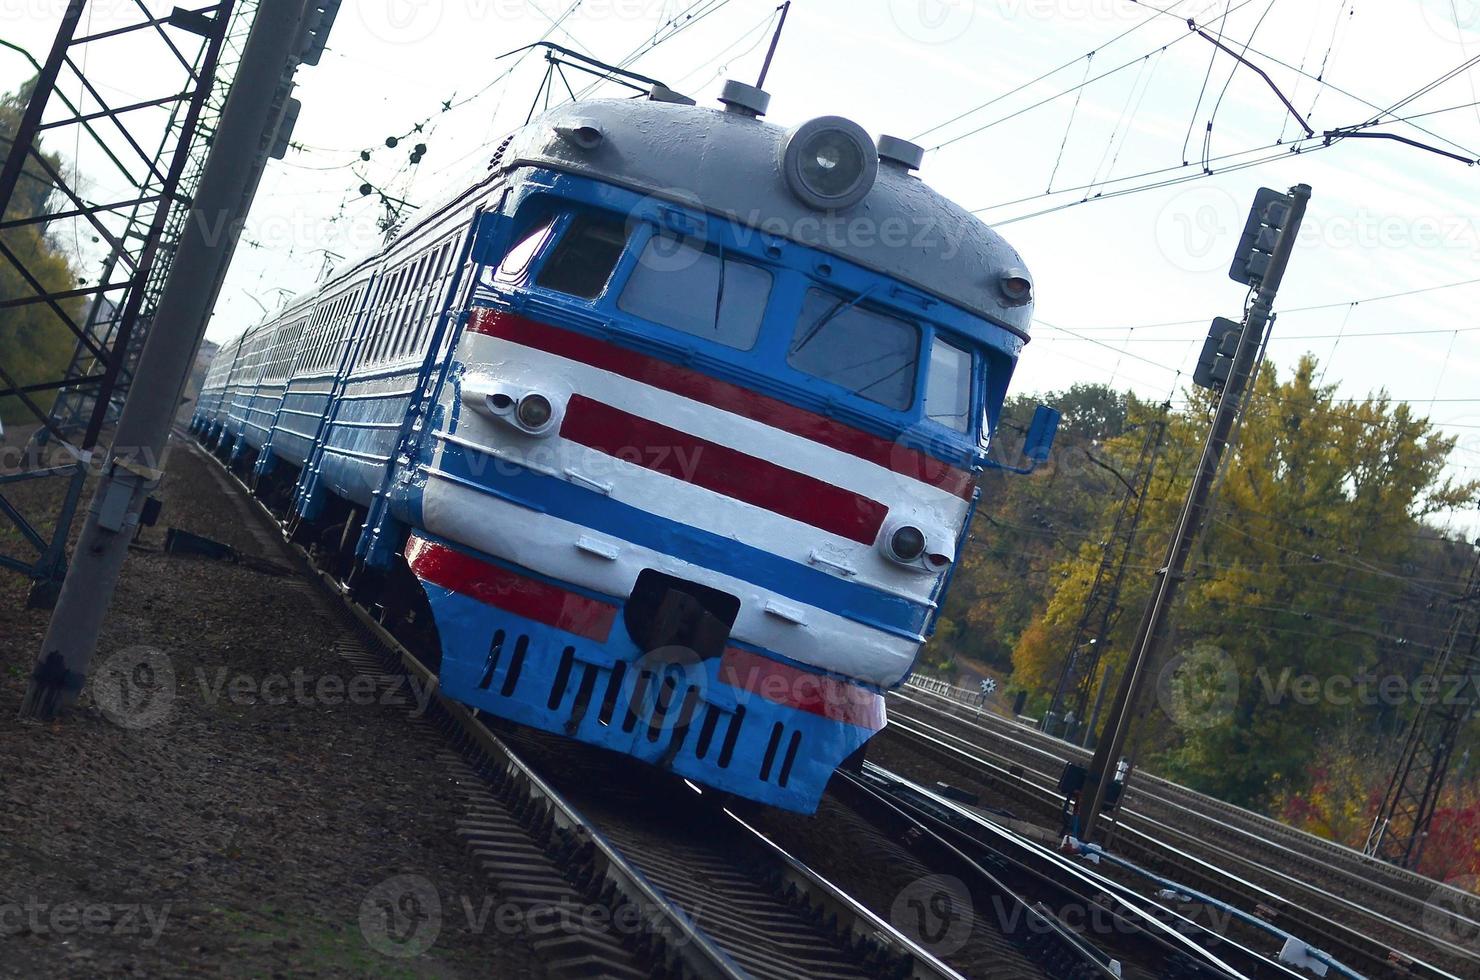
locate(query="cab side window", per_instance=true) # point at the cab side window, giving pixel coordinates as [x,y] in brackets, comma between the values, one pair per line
[515,265]
[948,386]
[582,261]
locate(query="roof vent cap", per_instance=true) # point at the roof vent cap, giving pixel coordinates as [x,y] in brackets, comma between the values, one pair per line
[747,100]
[900,154]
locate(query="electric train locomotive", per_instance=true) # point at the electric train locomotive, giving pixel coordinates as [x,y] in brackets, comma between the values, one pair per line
[667,431]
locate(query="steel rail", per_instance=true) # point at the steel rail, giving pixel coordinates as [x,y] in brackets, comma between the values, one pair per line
[1008,771]
[686,941]
[1355,867]
[1173,932]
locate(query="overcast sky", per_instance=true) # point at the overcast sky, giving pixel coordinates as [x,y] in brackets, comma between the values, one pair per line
[1125,284]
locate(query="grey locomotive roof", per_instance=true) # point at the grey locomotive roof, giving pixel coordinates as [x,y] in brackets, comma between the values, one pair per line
[729,164]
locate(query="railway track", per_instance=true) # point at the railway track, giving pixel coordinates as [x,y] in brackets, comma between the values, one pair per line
[555,825]
[1371,923]
[1148,938]
[1419,900]
[684,887]
[1301,846]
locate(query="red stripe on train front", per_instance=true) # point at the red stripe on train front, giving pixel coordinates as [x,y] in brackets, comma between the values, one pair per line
[727,471]
[723,395]
[817,694]
[496,586]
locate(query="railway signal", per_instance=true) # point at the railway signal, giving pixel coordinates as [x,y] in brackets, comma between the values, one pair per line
[1217,355]
[1260,261]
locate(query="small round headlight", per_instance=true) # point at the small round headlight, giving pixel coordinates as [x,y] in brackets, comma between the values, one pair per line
[535,411]
[1016,287]
[907,543]
[829,163]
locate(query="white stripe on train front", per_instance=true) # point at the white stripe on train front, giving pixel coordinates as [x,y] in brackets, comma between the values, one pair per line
[483,354]
[685,503]
[572,553]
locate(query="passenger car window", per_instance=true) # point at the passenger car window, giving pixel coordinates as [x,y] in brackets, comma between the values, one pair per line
[869,353]
[948,386]
[681,286]
[585,256]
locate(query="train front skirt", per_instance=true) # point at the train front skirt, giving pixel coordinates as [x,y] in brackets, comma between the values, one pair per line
[542,653]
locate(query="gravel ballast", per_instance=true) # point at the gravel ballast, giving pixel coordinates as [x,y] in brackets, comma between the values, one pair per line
[235,799]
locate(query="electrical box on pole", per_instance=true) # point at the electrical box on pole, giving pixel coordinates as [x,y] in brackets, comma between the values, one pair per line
[285,129]
[1262,257]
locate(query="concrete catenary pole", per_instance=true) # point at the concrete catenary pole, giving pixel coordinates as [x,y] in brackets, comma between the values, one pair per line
[1152,633]
[133,466]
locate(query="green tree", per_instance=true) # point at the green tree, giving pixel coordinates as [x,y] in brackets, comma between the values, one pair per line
[1307,567]
[35,345]
[1025,526]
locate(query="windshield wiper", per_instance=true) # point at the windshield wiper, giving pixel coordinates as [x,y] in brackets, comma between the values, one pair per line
[826,318]
[719,294]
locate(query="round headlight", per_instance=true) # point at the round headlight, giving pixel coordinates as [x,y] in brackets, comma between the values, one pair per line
[1016,286]
[829,163]
[907,543]
[535,411]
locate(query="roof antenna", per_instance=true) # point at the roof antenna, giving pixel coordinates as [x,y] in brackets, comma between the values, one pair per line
[775,39]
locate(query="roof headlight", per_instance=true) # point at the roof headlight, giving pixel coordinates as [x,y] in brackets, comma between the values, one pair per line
[829,163]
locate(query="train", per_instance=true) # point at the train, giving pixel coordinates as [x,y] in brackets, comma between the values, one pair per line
[664,435]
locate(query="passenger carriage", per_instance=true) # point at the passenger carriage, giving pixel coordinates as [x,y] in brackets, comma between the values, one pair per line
[675,417]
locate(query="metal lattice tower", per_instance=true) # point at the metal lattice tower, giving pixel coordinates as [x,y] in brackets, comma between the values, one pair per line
[1081,669]
[73,407]
[1402,823]
[135,158]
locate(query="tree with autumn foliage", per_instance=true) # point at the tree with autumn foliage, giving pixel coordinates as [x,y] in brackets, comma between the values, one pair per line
[1315,565]
[1025,527]
[35,345]
[1342,792]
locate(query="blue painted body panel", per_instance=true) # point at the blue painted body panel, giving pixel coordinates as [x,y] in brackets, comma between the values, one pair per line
[297,423]
[510,666]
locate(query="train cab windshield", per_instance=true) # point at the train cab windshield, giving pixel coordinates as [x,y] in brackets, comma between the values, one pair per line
[655,278]
[871,354]
[698,292]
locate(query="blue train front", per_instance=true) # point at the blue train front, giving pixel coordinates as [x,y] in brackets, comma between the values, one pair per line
[679,436]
